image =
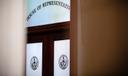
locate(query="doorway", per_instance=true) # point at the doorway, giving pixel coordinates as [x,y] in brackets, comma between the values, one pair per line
[50,36]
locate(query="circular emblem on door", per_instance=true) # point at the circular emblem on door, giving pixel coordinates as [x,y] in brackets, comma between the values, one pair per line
[63,62]
[34,63]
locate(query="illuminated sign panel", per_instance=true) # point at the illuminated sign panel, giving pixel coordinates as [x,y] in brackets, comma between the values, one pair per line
[42,12]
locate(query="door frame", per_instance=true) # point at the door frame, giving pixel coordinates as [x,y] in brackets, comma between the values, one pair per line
[47,34]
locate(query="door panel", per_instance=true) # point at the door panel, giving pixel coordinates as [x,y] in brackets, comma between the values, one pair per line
[34,59]
[62,58]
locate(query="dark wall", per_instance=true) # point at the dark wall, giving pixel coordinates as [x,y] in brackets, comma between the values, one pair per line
[103,38]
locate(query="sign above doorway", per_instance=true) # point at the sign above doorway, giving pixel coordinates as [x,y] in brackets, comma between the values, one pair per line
[43,12]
